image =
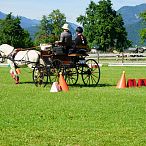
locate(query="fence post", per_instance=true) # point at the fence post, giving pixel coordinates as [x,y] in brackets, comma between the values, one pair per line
[122,57]
[97,56]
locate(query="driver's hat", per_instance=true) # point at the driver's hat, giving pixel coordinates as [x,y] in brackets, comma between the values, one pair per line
[65,26]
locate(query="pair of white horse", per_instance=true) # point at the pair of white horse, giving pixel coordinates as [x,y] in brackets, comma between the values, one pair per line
[22,58]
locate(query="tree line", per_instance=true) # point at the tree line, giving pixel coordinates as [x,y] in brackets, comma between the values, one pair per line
[103,28]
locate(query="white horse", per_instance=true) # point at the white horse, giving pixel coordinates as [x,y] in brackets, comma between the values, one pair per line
[22,58]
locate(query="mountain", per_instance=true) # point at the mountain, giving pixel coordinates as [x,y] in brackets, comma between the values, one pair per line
[2,15]
[25,22]
[130,14]
[132,21]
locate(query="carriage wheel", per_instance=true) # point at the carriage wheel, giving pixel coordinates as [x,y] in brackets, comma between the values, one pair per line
[49,65]
[56,67]
[71,75]
[90,73]
[40,75]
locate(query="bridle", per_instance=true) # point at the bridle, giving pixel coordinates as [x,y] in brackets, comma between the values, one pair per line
[2,57]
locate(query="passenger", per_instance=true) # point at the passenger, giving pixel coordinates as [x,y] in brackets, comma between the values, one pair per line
[65,38]
[80,42]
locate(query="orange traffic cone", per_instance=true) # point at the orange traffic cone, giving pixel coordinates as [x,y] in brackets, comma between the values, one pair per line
[63,83]
[122,81]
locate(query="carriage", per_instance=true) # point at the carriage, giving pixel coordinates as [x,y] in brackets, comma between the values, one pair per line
[72,66]
[48,63]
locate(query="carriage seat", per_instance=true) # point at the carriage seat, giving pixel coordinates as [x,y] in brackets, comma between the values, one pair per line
[79,50]
[45,47]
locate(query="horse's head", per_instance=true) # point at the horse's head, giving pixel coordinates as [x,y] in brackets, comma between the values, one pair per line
[5,50]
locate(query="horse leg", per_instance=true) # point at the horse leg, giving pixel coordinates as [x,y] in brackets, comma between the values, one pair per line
[15,76]
[14,73]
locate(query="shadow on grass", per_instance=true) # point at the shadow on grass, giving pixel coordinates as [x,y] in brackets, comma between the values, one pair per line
[26,82]
[105,85]
[32,83]
[99,85]
[76,85]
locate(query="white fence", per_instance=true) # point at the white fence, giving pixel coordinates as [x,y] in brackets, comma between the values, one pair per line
[122,57]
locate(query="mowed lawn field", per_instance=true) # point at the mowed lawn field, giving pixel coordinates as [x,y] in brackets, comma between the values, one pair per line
[84,116]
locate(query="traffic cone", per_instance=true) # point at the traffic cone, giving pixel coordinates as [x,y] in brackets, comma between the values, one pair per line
[122,81]
[141,82]
[131,83]
[63,83]
[55,87]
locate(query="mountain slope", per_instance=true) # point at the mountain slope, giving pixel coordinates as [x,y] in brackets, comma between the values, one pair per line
[132,21]
[25,22]
[2,15]
[130,14]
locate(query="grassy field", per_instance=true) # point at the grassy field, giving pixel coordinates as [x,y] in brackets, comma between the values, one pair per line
[95,116]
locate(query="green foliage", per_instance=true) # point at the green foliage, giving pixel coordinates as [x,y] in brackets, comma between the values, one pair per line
[50,27]
[13,34]
[143,35]
[57,20]
[143,31]
[45,29]
[103,27]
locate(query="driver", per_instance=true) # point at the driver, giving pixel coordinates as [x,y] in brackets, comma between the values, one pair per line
[65,38]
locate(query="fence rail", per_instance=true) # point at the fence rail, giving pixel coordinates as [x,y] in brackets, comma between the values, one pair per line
[119,58]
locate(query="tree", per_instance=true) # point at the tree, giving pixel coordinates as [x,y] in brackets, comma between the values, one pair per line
[103,27]
[50,27]
[57,19]
[143,31]
[45,29]
[13,34]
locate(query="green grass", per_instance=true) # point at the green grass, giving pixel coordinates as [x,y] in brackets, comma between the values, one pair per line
[95,116]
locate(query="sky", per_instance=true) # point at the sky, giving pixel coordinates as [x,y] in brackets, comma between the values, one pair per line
[35,9]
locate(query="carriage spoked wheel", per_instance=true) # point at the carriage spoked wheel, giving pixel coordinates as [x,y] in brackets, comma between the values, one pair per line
[56,67]
[90,73]
[71,75]
[40,75]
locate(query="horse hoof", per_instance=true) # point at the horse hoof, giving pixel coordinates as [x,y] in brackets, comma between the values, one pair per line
[17,80]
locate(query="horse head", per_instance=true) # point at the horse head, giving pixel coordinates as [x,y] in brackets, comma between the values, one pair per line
[5,50]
